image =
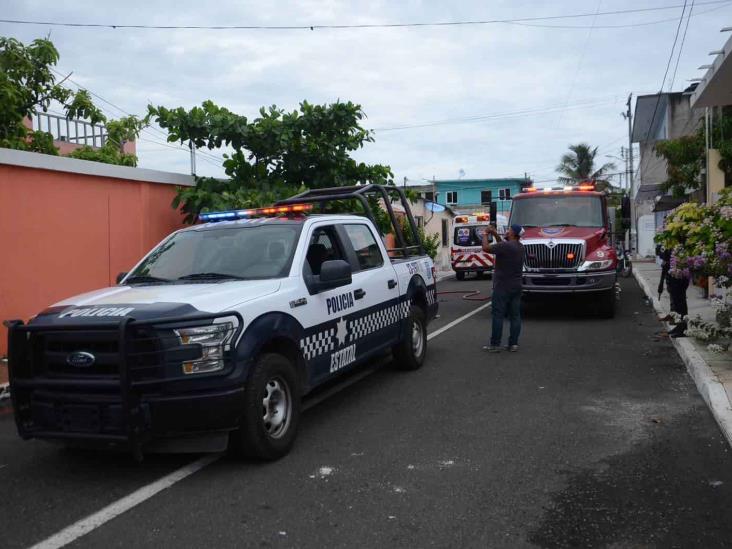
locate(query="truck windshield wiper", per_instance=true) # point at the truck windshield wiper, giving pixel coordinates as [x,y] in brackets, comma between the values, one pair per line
[145,278]
[209,276]
[561,225]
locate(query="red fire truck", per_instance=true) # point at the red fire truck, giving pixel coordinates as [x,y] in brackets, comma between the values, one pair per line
[566,241]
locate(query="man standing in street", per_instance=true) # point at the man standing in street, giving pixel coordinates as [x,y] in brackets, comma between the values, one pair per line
[507,279]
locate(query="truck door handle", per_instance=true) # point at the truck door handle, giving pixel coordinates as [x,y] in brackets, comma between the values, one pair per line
[358,294]
[392,284]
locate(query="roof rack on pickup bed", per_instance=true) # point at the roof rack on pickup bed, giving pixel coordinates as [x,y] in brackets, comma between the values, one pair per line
[361,193]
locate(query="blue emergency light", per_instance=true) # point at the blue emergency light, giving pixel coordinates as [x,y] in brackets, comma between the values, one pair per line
[212,217]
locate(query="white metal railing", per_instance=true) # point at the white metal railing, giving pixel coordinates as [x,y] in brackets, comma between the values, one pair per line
[78,132]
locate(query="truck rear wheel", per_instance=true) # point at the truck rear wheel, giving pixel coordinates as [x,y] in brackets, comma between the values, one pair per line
[271,410]
[460,275]
[409,354]
[606,304]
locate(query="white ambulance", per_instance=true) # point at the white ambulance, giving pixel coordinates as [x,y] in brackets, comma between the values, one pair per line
[466,253]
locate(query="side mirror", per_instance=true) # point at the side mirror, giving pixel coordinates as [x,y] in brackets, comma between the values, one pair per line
[120,276]
[333,274]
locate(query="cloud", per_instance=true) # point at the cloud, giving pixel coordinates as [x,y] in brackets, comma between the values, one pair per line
[399,76]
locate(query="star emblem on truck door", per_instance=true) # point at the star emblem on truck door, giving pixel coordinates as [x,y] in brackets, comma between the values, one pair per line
[341,331]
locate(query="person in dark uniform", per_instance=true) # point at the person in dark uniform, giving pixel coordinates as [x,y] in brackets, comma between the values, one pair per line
[676,287]
[507,283]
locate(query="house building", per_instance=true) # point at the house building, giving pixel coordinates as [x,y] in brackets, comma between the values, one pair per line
[433,222]
[70,134]
[470,195]
[657,117]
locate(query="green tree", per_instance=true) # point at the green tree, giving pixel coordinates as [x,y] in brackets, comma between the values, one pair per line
[274,155]
[27,83]
[579,165]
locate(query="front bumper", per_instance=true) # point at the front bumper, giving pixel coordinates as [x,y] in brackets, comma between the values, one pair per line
[566,283]
[461,267]
[131,402]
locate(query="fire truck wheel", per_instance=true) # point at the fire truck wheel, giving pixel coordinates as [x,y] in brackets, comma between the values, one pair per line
[479,275]
[271,410]
[606,304]
[460,275]
[410,353]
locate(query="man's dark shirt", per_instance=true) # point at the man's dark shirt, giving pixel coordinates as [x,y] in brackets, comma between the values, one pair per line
[509,265]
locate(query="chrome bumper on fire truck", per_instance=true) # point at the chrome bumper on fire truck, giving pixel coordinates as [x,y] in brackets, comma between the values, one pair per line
[574,282]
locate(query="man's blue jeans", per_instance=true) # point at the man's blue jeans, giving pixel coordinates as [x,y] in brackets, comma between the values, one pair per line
[506,302]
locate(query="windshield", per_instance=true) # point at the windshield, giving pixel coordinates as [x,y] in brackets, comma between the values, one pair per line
[241,252]
[471,235]
[558,211]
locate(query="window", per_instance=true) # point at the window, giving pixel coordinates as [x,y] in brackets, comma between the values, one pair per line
[323,247]
[247,252]
[429,196]
[364,244]
[504,194]
[445,233]
[559,211]
[419,220]
[452,197]
[469,236]
[486,197]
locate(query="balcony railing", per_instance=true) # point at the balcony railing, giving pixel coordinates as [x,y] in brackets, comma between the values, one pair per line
[77,132]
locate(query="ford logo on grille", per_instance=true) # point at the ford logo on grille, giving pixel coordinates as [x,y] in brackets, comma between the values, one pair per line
[80,359]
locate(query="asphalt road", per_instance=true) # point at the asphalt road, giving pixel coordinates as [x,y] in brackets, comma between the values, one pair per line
[593,435]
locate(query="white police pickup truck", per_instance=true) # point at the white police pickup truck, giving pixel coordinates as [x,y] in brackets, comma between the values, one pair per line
[216,334]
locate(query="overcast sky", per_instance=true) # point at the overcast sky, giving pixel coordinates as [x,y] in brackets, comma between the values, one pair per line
[573,81]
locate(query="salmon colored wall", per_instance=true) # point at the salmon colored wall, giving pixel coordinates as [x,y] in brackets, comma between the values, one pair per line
[62,234]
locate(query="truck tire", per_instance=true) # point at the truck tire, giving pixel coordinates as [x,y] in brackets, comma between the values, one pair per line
[460,275]
[409,354]
[479,275]
[606,304]
[271,410]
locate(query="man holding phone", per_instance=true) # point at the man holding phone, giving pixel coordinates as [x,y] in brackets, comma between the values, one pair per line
[507,283]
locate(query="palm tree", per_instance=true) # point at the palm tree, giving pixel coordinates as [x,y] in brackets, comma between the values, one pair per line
[579,165]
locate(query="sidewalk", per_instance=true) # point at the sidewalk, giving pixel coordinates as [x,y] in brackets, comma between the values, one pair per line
[712,372]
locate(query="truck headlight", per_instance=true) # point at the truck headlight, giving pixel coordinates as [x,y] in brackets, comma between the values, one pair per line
[213,341]
[596,265]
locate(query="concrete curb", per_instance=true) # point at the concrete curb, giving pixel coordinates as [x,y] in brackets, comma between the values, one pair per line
[707,383]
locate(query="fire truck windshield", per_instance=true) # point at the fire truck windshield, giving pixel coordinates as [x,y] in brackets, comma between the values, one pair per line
[558,211]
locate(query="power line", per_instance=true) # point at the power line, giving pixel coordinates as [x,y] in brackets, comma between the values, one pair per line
[353,25]
[621,26]
[494,116]
[580,61]
[665,74]
[148,129]
[681,47]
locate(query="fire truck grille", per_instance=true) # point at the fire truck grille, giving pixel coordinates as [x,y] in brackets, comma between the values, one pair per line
[561,256]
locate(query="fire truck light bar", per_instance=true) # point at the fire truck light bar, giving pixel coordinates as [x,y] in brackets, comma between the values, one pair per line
[566,188]
[209,217]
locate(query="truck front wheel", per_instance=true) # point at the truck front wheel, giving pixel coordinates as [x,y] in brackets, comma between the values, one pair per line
[606,304]
[271,410]
[410,352]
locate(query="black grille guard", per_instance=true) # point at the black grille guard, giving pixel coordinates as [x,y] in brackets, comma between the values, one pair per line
[24,378]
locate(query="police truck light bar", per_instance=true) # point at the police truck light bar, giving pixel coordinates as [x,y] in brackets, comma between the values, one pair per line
[209,217]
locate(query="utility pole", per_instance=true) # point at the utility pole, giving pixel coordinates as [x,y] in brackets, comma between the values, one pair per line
[629,116]
[193,157]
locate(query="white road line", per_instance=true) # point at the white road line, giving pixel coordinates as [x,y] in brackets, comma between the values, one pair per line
[95,520]
[86,525]
[458,321]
